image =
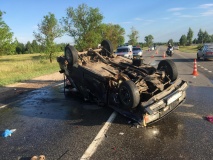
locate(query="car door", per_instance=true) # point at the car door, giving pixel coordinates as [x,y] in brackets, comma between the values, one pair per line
[200,52]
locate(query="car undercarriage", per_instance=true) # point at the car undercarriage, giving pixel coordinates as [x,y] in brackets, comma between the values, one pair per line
[136,90]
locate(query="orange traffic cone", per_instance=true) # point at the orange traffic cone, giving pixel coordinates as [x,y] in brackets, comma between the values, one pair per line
[152,56]
[195,73]
[157,52]
[164,56]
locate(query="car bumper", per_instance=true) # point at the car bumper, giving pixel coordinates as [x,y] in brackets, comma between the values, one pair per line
[209,57]
[165,102]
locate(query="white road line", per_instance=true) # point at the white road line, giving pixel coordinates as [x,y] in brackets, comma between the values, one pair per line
[9,104]
[98,139]
[58,84]
[210,71]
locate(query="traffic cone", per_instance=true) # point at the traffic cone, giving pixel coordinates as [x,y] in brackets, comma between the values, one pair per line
[164,55]
[152,56]
[195,73]
[157,52]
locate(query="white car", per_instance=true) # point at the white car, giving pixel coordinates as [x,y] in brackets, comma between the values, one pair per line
[125,51]
[137,51]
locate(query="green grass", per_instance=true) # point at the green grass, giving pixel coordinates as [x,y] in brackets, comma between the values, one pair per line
[17,68]
[189,49]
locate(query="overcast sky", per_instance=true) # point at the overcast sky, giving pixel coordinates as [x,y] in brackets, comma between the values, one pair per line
[163,19]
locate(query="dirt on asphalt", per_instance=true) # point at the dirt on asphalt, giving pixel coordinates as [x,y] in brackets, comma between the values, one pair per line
[10,92]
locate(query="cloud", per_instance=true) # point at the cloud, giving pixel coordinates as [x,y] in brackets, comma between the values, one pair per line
[128,22]
[175,9]
[207,13]
[177,13]
[187,16]
[206,5]
[165,18]
[138,19]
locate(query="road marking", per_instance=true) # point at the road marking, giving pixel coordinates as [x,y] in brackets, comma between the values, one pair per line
[210,71]
[58,84]
[9,104]
[98,139]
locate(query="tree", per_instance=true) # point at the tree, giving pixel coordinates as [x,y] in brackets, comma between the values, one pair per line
[84,25]
[183,40]
[149,40]
[133,37]
[7,45]
[28,48]
[194,41]
[20,48]
[206,37]
[35,46]
[189,36]
[114,33]
[171,42]
[49,30]
[200,36]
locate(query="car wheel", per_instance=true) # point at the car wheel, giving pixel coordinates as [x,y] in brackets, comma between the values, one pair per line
[204,59]
[71,55]
[129,94]
[170,69]
[107,49]
[198,58]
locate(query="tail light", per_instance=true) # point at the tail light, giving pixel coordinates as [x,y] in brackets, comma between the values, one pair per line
[209,53]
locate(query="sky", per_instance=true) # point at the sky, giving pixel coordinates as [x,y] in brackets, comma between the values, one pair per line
[163,19]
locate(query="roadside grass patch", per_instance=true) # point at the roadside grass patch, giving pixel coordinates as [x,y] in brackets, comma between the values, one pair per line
[17,68]
[189,49]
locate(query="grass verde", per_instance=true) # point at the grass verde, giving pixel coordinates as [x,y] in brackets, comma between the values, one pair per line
[17,68]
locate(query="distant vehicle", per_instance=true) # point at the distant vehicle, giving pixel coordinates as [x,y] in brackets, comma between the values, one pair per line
[125,51]
[176,47]
[205,52]
[151,48]
[169,51]
[137,51]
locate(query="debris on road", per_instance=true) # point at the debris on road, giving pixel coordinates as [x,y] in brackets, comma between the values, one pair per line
[8,132]
[41,157]
[209,118]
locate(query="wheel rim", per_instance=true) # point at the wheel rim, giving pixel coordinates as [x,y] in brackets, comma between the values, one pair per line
[125,95]
[166,69]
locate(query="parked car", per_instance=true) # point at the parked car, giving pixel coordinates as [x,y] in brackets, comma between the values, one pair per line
[125,51]
[136,90]
[176,47]
[152,48]
[205,52]
[137,51]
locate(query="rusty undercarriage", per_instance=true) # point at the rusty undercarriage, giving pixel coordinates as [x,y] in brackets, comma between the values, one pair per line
[132,88]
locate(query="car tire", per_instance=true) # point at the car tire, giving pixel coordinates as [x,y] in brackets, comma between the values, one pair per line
[71,55]
[204,59]
[170,68]
[107,49]
[128,95]
[198,58]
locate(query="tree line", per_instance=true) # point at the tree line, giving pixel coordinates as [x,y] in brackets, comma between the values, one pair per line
[84,24]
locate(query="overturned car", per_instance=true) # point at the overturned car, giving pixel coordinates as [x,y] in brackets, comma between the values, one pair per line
[134,89]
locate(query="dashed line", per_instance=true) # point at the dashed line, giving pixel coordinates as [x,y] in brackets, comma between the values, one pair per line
[204,68]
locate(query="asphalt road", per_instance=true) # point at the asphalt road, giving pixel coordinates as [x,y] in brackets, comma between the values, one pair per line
[63,128]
